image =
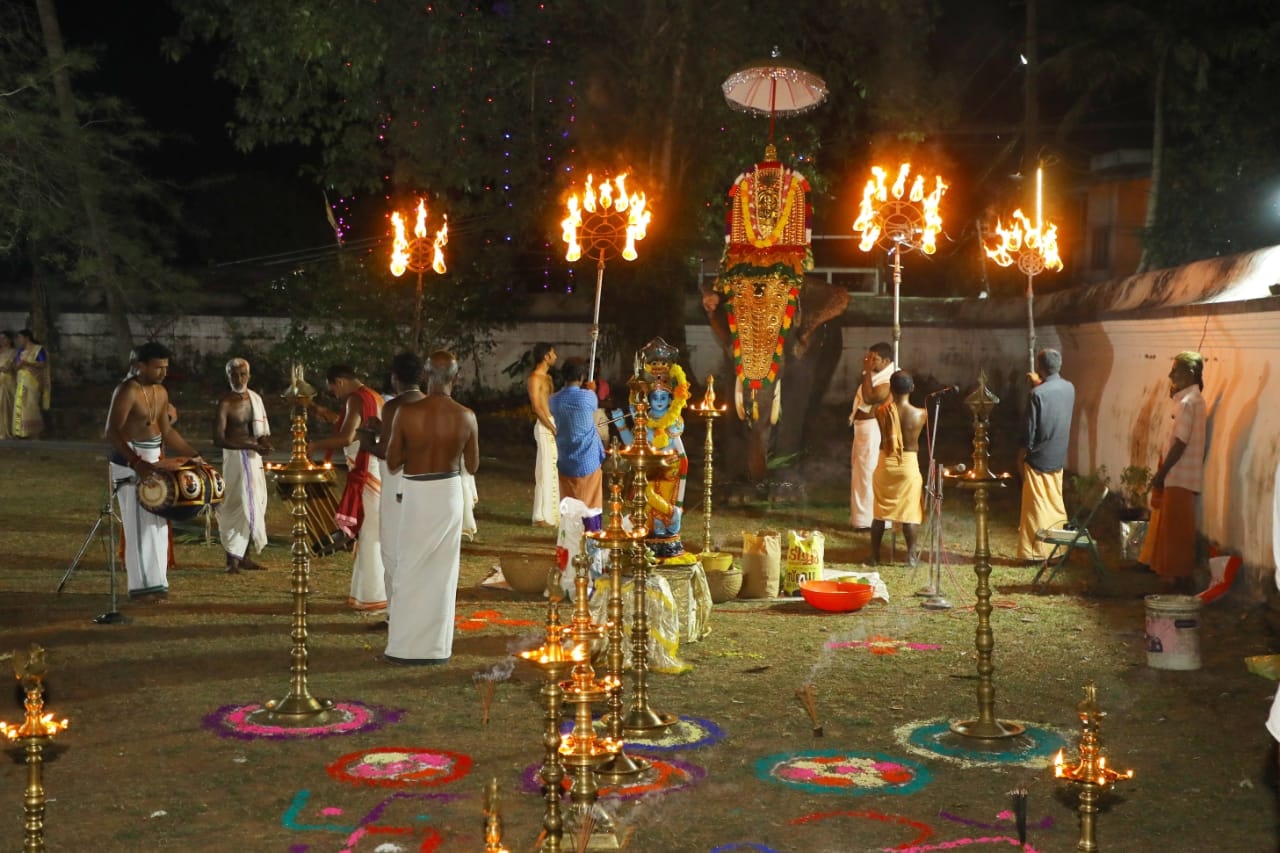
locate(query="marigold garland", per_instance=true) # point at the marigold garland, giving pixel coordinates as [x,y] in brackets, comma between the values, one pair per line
[679,396]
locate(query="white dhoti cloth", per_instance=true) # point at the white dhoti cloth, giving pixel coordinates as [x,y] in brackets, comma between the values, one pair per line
[146,537]
[470,497]
[862,462]
[389,520]
[242,515]
[546,483]
[368,578]
[420,617]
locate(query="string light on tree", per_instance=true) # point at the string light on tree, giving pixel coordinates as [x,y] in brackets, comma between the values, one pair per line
[898,220]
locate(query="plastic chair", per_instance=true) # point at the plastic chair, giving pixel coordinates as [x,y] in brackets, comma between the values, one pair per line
[1073,533]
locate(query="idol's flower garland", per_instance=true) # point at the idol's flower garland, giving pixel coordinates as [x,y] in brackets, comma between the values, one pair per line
[679,396]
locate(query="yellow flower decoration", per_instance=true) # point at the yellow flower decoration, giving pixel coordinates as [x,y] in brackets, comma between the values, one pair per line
[679,396]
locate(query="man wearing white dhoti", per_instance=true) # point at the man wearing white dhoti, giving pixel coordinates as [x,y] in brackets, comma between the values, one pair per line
[361,502]
[873,389]
[138,430]
[546,487]
[431,443]
[241,429]
[406,382]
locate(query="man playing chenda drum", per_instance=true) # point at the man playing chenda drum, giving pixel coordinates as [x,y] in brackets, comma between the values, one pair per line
[240,428]
[137,429]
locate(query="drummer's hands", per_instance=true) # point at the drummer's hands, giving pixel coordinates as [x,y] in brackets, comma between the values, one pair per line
[143,469]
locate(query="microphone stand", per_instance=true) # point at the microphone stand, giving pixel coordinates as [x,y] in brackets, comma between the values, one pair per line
[107,515]
[932,594]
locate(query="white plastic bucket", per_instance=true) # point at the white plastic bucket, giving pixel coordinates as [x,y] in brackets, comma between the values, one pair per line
[1173,631]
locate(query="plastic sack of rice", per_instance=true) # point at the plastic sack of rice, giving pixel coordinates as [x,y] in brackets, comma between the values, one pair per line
[804,559]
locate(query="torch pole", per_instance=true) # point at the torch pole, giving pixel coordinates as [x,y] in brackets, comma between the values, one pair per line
[897,284]
[595,317]
[417,315]
[1031,325]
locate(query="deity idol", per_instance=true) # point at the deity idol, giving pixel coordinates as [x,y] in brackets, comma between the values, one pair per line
[668,392]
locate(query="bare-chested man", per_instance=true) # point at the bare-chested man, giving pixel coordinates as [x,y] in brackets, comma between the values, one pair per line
[240,428]
[898,484]
[361,503]
[431,442]
[546,490]
[138,428]
[406,382]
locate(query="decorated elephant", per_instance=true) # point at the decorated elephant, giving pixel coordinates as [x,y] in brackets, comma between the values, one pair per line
[767,313]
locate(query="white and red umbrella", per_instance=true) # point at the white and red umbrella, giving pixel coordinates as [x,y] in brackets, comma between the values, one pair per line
[773,87]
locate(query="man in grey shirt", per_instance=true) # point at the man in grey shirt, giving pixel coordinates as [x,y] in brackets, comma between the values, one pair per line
[1043,454]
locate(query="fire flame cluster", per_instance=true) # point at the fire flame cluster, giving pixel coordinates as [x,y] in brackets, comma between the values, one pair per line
[42,726]
[603,201]
[1095,772]
[877,193]
[1023,235]
[402,257]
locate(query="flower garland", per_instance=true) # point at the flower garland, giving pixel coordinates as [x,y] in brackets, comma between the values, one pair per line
[679,396]
[744,202]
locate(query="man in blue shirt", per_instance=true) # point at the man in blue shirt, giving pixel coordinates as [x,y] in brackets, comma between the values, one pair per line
[1043,454]
[578,447]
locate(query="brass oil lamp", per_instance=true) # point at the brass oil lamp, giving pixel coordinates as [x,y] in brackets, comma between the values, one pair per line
[1090,774]
[34,735]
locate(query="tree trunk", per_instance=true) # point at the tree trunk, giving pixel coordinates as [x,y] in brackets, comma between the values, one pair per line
[1157,162]
[106,280]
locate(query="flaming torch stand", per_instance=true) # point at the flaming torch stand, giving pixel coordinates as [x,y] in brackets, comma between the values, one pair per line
[36,732]
[708,411]
[1034,248]
[605,227]
[581,751]
[553,663]
[897,224]
[642,720]
[620,766]
[418,255]
[1091,774]
[298,707]
[980,479]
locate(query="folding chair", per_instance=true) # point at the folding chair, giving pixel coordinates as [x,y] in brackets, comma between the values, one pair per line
[1071,534]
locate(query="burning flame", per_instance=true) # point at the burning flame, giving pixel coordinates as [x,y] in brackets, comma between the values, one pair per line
[44,726]
[876,194]
[610,198]
[401,248]
[1021,235]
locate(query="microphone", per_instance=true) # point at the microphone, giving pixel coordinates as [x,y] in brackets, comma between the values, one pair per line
[944,390]
[960,469]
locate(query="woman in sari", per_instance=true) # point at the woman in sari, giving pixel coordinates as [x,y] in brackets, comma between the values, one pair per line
[32,390]
[8,382]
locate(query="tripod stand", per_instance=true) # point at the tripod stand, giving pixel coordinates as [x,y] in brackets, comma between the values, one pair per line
[106,515]
[932,593]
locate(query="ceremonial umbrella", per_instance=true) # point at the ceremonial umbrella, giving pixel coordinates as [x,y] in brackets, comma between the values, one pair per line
[774,88]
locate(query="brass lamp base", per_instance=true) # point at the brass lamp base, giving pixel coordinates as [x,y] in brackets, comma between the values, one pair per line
[646,721]
[988,729]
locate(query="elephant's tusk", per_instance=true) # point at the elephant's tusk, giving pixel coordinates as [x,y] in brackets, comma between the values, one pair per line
[776,409]
[737,400]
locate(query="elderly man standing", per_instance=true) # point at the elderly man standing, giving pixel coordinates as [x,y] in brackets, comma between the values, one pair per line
[1043,454]
[873,389]
[1170,546]
[579,451]
[431,442]
[240,428]
[361,503]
